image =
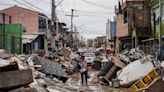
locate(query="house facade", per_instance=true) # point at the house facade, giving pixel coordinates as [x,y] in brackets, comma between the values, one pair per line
[132,23]
[33,22]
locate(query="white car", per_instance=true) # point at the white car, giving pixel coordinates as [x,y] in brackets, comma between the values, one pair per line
[90,58]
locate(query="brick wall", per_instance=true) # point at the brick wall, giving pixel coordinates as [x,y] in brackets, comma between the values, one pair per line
[19,15]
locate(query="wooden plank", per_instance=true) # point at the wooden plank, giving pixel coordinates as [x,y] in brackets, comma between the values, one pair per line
[15,79]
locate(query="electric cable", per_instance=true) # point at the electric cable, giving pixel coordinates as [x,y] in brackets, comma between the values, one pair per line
[33,5]
[59,3]
[95,4]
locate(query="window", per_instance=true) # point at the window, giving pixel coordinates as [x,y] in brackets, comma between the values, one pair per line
[125,15]
[42,23]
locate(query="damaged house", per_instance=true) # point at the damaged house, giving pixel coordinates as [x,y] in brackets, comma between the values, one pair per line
[32,22]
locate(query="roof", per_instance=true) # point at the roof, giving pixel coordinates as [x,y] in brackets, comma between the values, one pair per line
[20,7]
[25,8]
[28,38]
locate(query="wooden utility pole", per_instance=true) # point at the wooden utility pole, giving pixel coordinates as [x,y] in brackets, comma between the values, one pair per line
[72,15]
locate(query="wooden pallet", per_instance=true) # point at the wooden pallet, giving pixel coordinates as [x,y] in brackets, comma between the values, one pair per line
[145,81]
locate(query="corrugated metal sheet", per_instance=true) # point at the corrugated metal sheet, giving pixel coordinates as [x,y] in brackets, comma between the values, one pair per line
[28,38]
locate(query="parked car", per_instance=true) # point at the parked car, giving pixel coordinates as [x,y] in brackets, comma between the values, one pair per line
[89,58]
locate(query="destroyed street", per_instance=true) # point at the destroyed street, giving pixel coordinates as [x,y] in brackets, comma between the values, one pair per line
[81,45]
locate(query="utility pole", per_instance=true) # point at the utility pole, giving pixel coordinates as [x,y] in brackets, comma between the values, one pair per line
[76,40]
[160,29]
[54,28]
[72,15]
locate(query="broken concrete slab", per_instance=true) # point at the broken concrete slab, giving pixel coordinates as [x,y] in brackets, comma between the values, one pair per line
[15,79]
[51,68]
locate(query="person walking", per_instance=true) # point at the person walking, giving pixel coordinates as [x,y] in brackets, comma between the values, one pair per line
[83,70]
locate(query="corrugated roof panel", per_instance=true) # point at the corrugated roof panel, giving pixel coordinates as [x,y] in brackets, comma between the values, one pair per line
[28,38]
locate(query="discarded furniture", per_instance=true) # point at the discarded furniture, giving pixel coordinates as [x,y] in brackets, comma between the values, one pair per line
[104,70]
[135,71]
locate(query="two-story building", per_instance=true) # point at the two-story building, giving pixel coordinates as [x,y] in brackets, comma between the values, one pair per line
[132,23]
[35,26]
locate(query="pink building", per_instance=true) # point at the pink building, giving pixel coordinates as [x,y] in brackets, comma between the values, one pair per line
[35,25]
[33,21]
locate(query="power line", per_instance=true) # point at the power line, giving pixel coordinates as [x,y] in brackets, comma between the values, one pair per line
[61,7]
[23,4]
[33,5]
[44,1]
[72,15]
[92,15]
[89,32]
[95,4]
[7,4]
[59,3]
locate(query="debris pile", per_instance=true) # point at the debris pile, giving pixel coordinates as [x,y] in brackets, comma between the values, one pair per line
[131,69]
[12,75]
[33,73]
